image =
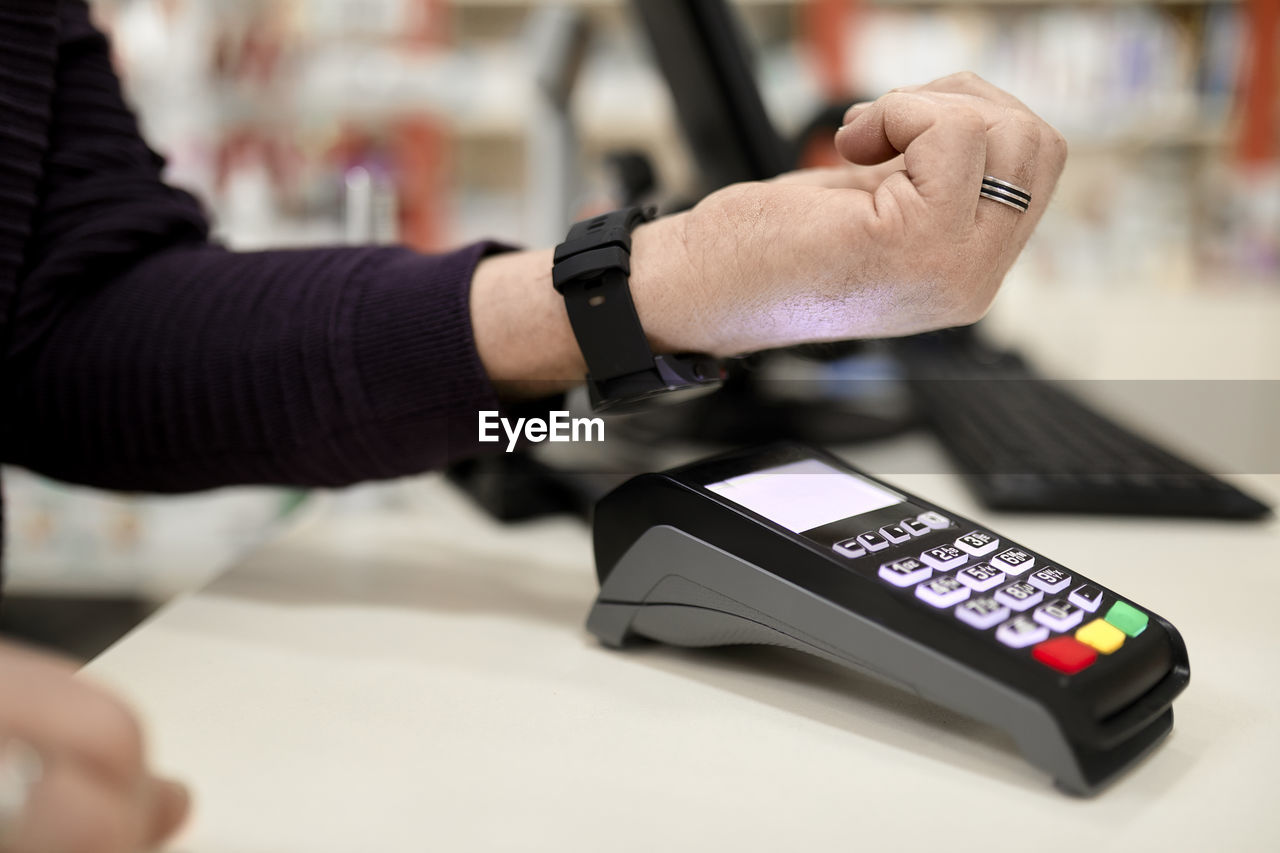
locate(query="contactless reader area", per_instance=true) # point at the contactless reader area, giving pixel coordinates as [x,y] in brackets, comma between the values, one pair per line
[787,545]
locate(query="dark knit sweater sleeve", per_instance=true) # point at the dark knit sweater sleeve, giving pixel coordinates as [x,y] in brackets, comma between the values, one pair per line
[142,357]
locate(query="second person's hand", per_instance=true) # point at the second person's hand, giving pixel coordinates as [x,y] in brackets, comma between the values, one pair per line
[90,788]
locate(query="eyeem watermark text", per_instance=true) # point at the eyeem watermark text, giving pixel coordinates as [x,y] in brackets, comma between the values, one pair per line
[559,426]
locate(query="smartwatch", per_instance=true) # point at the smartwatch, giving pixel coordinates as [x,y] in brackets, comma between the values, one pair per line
[592,272]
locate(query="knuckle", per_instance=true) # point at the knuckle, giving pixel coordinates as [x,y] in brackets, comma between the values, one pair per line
[1028,132]
[967,120]
[1055,143]
[896,100]
[963,78]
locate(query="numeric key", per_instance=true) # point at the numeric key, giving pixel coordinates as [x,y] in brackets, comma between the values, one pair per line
[979,543]
[944,557]
[905,572]
[1059,615]
[1014,561]
[1020,632]
[982,611]
[1049,579]
[980,577]
[1019,596]
[942,592]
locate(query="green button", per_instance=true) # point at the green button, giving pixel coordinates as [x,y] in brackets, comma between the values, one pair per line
[1127,618]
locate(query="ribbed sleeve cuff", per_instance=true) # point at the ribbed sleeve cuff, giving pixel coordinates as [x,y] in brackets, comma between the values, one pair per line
[415,357]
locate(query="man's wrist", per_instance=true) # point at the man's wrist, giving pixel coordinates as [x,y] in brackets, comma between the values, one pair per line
[663,284]
[521,330]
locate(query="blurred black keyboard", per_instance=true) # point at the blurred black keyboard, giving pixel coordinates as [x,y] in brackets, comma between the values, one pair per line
[1026,444]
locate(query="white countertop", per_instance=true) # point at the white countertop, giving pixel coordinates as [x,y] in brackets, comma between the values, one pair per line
[422,680]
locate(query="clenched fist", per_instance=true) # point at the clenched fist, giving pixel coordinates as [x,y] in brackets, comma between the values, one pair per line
[903,245]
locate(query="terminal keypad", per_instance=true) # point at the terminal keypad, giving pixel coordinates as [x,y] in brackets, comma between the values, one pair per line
[1021,602]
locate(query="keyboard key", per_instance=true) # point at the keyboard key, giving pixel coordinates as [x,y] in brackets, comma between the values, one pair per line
[850,548]
[944,557]
[914,527]
[1101,635]
[1065,654]
[1058,615]
[1127,618]
[1050,579]
[905,572]
[982,611]
[934,520]
[979,543]
[980,577]
[1015,561]
[873,541]
[894,534]
[1019,596]
[1020,632]
[1087,596]
[942,592]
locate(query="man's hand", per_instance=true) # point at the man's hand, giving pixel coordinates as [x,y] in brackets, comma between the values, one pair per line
[903,247]
[899,243]
[94,794]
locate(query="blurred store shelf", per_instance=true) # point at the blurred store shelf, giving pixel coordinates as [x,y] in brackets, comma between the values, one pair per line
[266,108]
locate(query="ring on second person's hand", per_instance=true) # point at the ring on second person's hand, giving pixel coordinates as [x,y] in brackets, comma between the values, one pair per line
[21,769]
[1006,193]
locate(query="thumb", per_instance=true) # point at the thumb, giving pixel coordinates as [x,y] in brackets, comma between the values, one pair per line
[943,143]
[860,144]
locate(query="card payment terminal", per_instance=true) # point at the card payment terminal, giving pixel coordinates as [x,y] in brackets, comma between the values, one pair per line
[790,546]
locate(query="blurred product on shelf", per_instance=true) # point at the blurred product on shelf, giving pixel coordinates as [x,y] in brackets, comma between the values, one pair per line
[69,540]
[1148,96]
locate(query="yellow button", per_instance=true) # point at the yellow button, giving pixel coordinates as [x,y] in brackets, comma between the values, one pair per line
[1102,635]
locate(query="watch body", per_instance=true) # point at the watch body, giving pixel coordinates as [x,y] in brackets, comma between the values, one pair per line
[592,272]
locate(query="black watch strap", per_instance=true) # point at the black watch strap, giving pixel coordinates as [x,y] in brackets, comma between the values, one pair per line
[592,271]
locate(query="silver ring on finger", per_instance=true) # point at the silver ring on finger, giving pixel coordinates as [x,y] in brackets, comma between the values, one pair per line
[21,769]
[1006,193]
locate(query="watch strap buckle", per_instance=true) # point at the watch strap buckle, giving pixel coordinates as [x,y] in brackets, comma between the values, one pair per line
[589,264]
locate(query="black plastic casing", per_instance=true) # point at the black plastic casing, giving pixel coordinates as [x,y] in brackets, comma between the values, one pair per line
[681,564]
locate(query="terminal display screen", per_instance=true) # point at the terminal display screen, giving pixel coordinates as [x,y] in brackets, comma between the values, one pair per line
[803,495]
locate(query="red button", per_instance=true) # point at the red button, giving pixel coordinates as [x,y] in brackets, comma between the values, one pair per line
[1065,654]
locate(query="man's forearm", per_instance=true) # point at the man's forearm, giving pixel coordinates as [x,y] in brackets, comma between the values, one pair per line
[199,367]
